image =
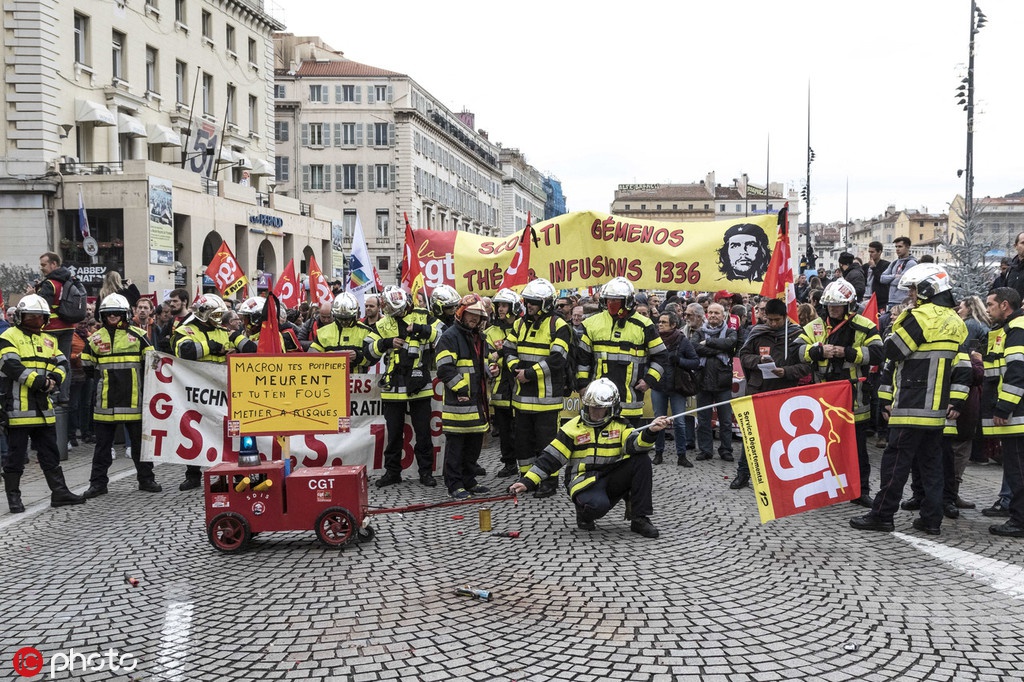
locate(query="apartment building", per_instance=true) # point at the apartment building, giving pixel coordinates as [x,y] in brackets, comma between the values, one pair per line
[376,146]
[522,192]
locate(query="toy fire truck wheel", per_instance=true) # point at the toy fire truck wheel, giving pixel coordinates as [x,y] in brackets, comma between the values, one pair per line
[365,534]
[229,532]
[335,527]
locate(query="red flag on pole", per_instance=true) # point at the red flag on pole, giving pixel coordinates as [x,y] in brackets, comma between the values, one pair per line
[227,276]
[794,439]
[286,289]
[412,273]
[871,309]
[270,331]
[517,274]
[778,281]
[319,289]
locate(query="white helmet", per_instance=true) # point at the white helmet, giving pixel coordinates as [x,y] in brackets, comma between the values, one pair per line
[210,308]
[620,287]
[928,278]
[252,308]
[115,303]
[839,292]
[345,306]
[600,393]
[540,292]
[442,297]
[33,304]
[394,300]
[515,303]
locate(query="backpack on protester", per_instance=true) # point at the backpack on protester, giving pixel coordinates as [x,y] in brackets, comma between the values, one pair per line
[71,306]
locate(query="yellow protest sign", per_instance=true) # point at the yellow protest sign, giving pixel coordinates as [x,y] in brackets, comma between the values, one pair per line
[288,394]
[587,248]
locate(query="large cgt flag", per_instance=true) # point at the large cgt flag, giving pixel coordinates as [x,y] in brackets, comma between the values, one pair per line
[778,280]
[518,272]
[270,340]
[224,271]
[800,445]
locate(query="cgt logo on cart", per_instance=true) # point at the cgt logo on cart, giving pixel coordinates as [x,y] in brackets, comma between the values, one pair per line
[28,662]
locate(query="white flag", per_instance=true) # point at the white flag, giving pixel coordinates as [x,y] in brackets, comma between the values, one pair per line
[361,276]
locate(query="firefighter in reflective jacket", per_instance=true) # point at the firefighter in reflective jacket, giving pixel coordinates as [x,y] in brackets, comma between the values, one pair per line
[1006,406]
[252,313]
[607,461]
[535,352]
[622,345]
[346,334]
[31,371]
[462,366]
[507,309]
[406,336]
[202,337]
[923,384]
[841,346]
[113,355]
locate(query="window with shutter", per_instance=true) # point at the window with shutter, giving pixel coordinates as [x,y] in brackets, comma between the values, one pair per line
[339,178]
[370,184]
[337,134]
[359,94]
[305,134]
[391,94]
[359,134]
[369,94]
[359,178]
[369,135]
[391,134]
[391,178]
[327,178]
[305,177]
[337,94]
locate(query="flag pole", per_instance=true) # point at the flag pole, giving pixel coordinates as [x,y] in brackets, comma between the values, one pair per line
[694,411]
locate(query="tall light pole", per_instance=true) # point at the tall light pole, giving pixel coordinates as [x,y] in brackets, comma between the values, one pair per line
[807,186]
[966,94]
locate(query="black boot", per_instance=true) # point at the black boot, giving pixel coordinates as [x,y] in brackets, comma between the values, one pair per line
[659,457]
[12,484]
[547,487]
[60,496]
[740,481]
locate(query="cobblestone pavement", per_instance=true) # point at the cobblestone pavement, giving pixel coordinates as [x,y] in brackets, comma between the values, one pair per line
[717,597]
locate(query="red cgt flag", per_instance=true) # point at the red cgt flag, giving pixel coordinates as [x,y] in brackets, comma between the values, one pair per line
[287,289]
[794,440]
[319,289]
[227,276]
[871,309]
[517,274]
[412,273]
[270,331]
[778,281]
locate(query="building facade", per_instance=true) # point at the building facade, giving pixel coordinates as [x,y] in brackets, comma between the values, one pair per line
[522,192]
[159,115]
[376,146]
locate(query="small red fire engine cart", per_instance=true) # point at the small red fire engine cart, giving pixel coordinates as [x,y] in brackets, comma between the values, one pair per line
[244,500]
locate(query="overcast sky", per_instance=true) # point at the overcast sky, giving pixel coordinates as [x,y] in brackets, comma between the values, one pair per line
[600,94]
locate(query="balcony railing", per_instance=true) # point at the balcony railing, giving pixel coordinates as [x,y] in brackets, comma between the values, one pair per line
[91,168]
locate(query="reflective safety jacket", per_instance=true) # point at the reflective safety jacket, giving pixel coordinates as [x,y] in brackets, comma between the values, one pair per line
[115,356]
[589,451]
[407,369]
[462,366]
[332,338]
[924,372]
[501,385]
[993,363]
[1009,405]
[539,348]
[26,362]
[862,346]
[624,351]
[200,341]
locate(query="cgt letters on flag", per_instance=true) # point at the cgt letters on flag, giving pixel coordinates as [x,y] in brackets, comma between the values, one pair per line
[793,439]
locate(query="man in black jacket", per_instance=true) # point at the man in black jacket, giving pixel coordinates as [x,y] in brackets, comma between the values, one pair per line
[852,273]
[715,343]
[873,270]
[1015,273]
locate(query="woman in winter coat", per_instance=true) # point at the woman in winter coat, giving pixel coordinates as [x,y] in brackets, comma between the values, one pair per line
[674,390]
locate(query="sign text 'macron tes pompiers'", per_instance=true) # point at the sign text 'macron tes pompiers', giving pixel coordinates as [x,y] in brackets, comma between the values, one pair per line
[288,394]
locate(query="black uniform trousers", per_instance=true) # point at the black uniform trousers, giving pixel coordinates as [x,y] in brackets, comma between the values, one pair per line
[102,457]
[905,446]
[394,417]
[461,452]
[44,439]
[1013,474]
[632,476]
[506,436]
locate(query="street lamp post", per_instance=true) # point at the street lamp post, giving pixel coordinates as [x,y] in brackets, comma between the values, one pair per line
[966,94]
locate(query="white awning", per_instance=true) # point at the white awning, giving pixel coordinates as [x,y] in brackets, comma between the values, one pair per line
[163,136]
[244,162]
[130,126]
[262,167]
[227,155]
[87,111]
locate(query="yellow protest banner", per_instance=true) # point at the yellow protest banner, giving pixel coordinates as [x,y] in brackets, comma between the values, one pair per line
[288,394]
[587,248]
